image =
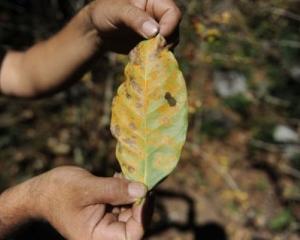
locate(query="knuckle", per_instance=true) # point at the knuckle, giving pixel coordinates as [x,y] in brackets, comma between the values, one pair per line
[130,11]
[124,188]
[115,187]
[132,15]
[138,3]
[120,186]
[108,188]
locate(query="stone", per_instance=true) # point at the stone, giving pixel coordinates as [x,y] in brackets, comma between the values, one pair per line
[285,134]
[295,73]
[229,83]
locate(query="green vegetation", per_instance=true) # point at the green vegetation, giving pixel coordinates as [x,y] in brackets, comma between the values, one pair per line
[282,220]
[239,103]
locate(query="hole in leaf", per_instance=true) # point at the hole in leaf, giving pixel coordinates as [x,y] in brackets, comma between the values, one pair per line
[171,100]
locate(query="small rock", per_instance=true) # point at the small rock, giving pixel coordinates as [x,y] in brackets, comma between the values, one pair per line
[295,73]
[27,115]
[290,151]
[215,123]
[285,134]
[177,210]
[39,164]
[230,83]
[78,156]
[57,147]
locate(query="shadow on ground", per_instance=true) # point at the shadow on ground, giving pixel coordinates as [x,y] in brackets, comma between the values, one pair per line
[36,231]
[207,231]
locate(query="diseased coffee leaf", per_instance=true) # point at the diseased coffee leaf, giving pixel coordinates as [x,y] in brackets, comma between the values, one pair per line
[149,114]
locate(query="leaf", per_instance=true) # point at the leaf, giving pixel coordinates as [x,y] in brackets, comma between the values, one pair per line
[149,114]
[282,220]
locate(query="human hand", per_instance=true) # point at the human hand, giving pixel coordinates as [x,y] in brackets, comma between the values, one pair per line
[116,25]
[122,23]
[76,203]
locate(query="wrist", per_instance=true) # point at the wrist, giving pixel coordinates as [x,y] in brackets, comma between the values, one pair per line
[17,206]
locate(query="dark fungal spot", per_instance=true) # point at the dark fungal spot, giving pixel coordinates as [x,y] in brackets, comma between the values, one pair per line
[135,86]
[170,99]
[132,126]
[139,105]
[131,169]
[130,142]
[128,96]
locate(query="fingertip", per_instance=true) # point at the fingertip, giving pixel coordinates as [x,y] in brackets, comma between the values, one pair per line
[139,21]
[116,211]
[112,190]
[165,30]
[117,175]
[134,230]
[125,215]
[177,14]
[137,212]
[137,190]
[150,29]
[170,21]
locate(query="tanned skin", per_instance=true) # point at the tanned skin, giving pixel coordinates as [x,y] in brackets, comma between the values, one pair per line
[70,198]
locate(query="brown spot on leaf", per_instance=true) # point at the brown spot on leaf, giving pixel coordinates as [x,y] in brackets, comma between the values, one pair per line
[132,126]
[135,86]
[165,121]
[139,105]
[130,169]
[128,96]
[171,100]
[130,142]
[134,56]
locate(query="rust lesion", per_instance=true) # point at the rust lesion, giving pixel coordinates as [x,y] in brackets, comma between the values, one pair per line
[139,105]
[134,56]
[130,142]
[128,96]
[135,86]
[132,126]
[165,121]
[131,169]
[128,167]
[170,99]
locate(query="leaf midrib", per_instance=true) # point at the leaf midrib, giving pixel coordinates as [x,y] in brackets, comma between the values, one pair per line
[145,122]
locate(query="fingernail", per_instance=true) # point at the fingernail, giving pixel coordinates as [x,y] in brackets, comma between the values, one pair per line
[137,190]
[150,29]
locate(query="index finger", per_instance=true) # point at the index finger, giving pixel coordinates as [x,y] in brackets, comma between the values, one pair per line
[166,13]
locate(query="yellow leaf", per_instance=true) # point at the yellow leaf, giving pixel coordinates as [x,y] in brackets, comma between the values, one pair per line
[149,113]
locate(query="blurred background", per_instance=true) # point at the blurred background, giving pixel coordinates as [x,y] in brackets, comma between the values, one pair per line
[239,174]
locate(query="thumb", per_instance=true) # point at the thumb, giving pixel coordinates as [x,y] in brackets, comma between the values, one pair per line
[116,191]
[138,20]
